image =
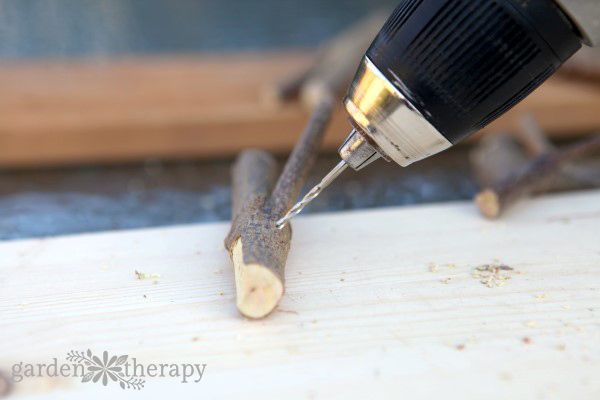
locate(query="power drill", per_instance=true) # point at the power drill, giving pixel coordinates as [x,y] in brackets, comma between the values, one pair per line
[440,70]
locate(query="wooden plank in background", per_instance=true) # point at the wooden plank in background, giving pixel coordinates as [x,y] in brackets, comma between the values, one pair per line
[364,314]
[207,106]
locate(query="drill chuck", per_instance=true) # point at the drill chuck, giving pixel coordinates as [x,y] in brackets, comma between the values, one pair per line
[440,70]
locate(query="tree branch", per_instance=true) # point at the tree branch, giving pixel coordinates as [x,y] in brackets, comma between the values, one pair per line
[493,200]
[333,65]
[302,158]
[257,247]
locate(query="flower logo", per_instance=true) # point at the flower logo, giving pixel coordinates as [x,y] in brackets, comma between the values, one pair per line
[105,369]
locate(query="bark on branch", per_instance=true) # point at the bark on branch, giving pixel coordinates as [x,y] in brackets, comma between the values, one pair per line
[493,200]
[258,249]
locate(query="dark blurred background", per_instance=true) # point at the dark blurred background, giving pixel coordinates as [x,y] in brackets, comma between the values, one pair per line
[40,202]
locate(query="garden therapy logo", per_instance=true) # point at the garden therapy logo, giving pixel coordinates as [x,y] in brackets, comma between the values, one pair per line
[125,371]
[105,369]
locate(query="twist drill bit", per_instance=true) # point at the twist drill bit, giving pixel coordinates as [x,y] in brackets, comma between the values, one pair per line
[314,192]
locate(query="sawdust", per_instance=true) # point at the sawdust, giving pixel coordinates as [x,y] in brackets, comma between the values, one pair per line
[492,275]
[145,275]
[531,324]
[433,267]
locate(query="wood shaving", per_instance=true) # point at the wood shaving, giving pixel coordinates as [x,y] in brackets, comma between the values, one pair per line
[531,324]
[287,311]
[446,281]
[542,296]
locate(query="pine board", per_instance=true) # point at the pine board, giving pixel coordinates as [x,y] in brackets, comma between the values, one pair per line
[92,111]
[364,315]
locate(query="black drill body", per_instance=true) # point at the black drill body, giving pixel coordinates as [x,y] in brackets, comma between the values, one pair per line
[463,63]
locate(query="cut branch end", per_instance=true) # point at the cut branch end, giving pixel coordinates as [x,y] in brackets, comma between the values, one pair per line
[489,203]
[258,287]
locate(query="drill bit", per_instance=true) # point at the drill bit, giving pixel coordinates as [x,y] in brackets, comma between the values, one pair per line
[314,192]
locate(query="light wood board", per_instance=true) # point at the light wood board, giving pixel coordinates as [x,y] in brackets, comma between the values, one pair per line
[364,315]
[87,111]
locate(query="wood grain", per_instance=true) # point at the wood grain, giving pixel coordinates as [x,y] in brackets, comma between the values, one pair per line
[54,113]
[379,303]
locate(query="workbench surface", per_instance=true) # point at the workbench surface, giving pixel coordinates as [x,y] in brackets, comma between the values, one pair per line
[380,303]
